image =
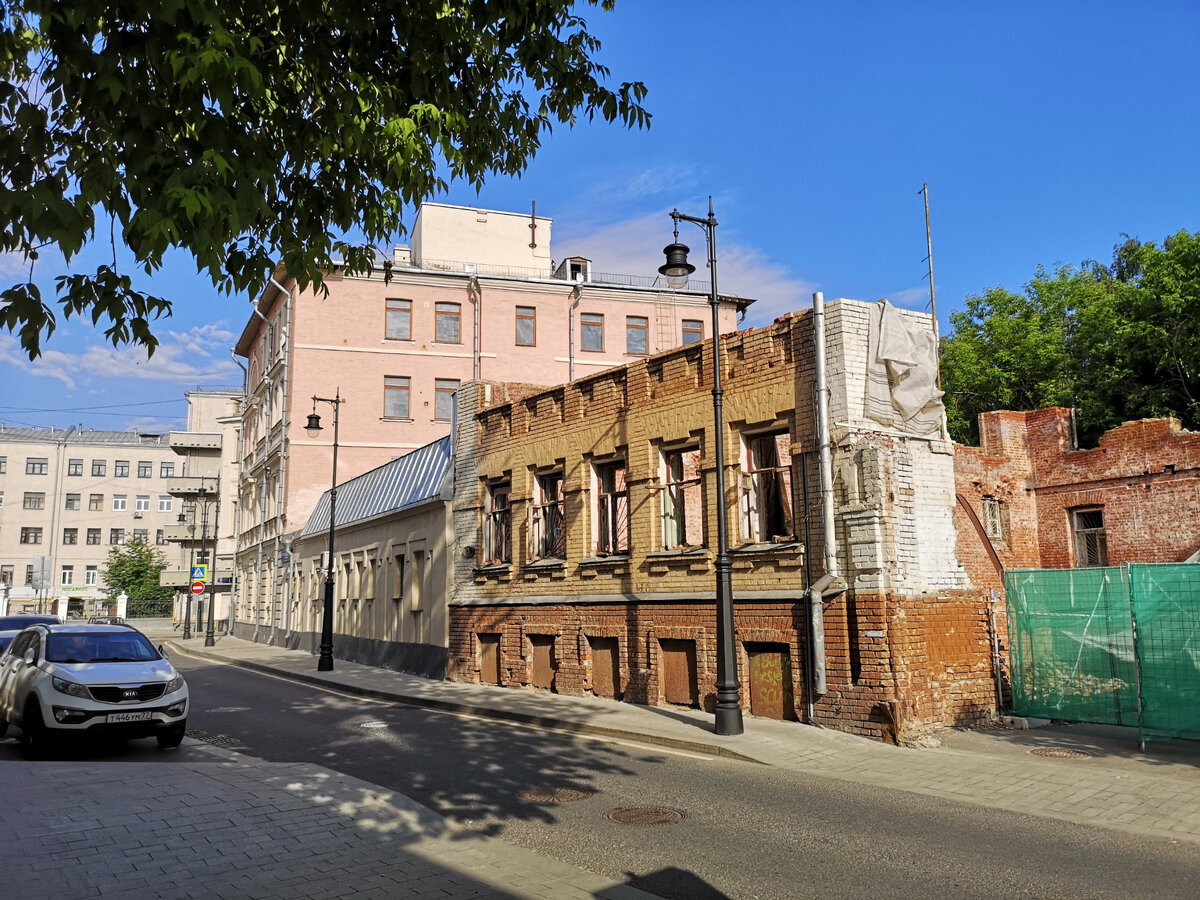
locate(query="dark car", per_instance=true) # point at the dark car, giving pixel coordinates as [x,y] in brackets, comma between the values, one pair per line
[16,623]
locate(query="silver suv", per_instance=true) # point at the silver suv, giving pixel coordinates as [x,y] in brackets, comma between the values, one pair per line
[61,680]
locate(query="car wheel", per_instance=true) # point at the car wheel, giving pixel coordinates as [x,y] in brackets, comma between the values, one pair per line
[35,737]
[172,737]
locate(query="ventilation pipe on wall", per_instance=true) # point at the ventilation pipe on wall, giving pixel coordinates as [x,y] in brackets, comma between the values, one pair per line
[577,293]
[280,487]
[237,494]
[476,302]
[829,584]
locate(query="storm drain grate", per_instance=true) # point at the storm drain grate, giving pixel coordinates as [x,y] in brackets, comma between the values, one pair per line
[553,795]
[645,815]
[217,740]
[1060,753]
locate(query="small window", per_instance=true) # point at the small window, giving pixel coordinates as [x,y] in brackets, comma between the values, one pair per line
[766,490]
[67,576]
[37,465]
[395,397]
[93,537]
[70,535]
[591,327]
[160,537]
[34,500]
[1091,542]
[994,515]
[145,469]
[166,470]
[693,331]
[116,536]
[95,502]
[6,575]
[443,406]
[74,466]
[612,509]
[637,335]
[497,526]
[165,502]
[99,468]
[73,501]
[683,499]
[448,324]
[120,502]
[141,534]
[90,575]
[31,535]
[549,536]
[121,468]
[398,326]
[142,503]
[3,465]
[28,580]
[526,326]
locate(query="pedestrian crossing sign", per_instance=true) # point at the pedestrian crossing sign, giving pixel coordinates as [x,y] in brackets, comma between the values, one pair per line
[200,572]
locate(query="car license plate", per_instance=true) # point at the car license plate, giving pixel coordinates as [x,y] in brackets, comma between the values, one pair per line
[129,716]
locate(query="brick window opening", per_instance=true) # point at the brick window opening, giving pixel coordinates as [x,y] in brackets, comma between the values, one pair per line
[546,525]
[497,526]
[591,332]
[395,397]
[443,398]
[526,326]
[398,324]
[448,323]
[693,331]
[1091,543]
[683,500]
[766,489]
[612,510]
[637,331]
[994,519]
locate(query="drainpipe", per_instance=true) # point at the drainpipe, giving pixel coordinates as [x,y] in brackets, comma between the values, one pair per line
[284,424]
[262,490]
[237,504]
[829,584]
[476,301]
[577,293]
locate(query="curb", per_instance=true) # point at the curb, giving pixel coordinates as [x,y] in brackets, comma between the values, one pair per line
[473,709]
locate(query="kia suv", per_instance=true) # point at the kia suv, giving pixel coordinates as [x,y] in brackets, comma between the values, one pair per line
[75,679]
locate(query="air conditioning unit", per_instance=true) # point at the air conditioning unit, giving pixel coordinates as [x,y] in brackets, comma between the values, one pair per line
[137,515]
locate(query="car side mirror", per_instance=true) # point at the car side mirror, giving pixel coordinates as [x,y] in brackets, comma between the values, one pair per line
[30,657]
[162,651]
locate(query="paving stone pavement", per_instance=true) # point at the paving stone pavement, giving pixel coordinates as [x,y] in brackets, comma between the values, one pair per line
[1141,793]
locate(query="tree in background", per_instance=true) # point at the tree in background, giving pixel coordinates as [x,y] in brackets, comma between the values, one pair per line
[1117,342]
[250,134]
[133,570]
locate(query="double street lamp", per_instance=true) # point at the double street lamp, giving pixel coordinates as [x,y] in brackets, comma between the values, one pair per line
[325,659]
[728,719]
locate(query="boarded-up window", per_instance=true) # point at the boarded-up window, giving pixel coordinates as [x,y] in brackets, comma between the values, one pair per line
[489,658]
[771,681]
[606,667]
[678,676]
[543,661]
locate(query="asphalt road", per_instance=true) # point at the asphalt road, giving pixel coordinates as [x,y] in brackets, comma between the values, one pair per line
[746,830]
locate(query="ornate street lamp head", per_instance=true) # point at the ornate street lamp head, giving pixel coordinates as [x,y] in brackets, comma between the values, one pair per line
[314,425]
[677,268]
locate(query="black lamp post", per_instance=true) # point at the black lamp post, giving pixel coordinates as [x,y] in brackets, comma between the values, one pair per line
[728,719]
[209,639]
[204,555]
[325,660]
[187,603]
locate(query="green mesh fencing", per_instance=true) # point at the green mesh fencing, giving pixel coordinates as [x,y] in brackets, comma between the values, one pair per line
[1166,611]
[1071,645]
[1113,645]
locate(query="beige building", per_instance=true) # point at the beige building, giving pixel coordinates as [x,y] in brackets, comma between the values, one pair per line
[477,296]
[67,497]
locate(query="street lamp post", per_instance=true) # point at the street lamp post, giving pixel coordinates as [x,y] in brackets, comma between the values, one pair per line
[209,639]
[204,556]
[187,601]
[728,719]
[325,659]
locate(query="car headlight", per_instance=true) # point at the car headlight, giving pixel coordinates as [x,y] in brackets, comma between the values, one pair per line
[174,684]
[69,687]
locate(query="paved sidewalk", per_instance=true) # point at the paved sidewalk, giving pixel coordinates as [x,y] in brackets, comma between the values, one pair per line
[238,827]
[1146,795]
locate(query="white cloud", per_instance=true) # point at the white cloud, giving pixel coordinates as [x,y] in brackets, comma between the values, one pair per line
[181,357]
[634,247]
[13,265]
[911,298]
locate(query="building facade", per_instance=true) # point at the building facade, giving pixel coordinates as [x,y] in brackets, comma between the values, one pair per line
[476,297]
[67,498]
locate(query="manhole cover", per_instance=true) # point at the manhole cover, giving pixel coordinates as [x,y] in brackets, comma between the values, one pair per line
[645,815]
[552,795]
[1060,753]
[225,709]
[217,740]
[374,723]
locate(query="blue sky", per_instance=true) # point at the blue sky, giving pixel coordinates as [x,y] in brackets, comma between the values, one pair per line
[1045,130]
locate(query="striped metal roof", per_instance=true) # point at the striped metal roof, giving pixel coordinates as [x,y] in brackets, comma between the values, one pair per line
[404,482]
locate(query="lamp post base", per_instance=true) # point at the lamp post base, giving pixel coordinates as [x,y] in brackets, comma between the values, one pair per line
[728,721]
[325,664]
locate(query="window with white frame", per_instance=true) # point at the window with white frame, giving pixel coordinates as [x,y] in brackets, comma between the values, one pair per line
[165,502]
[120,502]
[142,503]
[1091,541]
[612,509]
[90,575]
[994,515]
[549,538]
[497,526]
[766,488]
[683,499]
[67,576]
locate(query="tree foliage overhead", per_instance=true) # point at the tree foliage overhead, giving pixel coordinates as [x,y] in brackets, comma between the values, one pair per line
[1117,342]
[250,134]
[133,570]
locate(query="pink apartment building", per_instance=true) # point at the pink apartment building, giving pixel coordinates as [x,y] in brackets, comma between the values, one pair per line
[477,296]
